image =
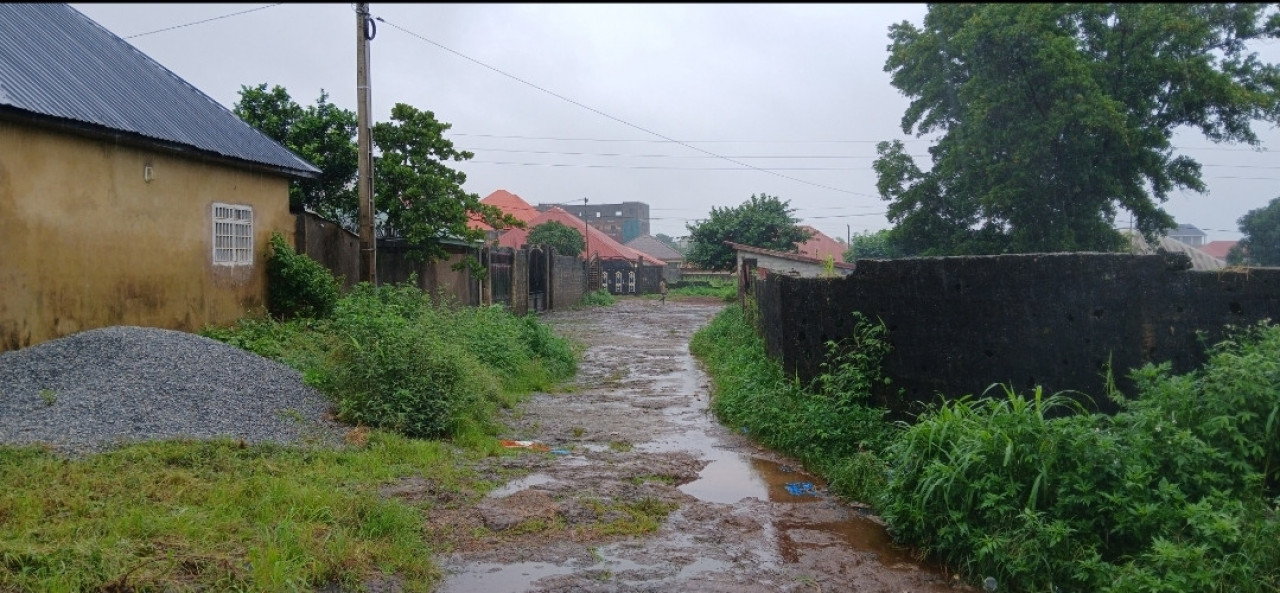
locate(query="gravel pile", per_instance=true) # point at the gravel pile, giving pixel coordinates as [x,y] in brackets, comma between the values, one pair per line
[96,389]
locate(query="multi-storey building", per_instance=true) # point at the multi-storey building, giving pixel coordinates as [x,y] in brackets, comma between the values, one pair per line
[622,222]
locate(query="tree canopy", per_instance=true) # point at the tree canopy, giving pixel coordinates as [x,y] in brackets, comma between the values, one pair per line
[417,196]
[564,239]
[1053,117]
[872,245]
[1261,243]
[762,221]
[320,133]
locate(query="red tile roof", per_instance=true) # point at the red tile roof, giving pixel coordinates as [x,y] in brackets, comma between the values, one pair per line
[1218,249]
[599,243]
[820,245]
[507,202]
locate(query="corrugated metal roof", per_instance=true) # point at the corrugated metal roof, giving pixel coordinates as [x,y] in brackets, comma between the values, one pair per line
[58,63]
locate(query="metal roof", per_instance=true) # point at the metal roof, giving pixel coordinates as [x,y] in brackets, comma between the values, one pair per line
[57,63]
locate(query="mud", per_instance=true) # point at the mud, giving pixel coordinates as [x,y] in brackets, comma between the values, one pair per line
[633,438]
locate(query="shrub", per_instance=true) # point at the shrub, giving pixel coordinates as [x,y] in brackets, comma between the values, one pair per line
[599,298]
[298,286]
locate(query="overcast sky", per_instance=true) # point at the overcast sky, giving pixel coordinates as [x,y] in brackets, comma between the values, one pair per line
[565,102]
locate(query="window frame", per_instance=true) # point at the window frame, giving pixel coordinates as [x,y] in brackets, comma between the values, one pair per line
[232,234]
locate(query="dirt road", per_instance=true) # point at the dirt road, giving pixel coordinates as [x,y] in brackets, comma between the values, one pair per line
[632,440]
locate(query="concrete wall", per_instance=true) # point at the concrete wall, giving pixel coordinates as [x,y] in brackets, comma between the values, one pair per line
[86,242]
[568,281]
[789,267]
[331,245]
[958,325]
[437,277]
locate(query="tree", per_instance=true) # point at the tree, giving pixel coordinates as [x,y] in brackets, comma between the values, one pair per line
[417,195]
[1261,243]
[564,239]
[869,245]
[322,134]
[1055,116]
[762,221]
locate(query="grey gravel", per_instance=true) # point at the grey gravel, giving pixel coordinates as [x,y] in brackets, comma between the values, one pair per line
[97,389]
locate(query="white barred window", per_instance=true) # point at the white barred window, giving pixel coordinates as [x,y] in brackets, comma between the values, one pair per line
[232,235]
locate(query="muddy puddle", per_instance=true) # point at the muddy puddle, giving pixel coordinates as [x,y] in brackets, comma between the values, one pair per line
[636,432]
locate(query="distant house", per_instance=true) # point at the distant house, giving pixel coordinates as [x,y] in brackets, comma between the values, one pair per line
[820,246]
[1218,249]
[1188,234]
[787,263]
[127,196]
[622,222]
[651,245]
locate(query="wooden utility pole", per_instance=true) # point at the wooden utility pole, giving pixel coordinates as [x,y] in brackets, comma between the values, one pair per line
[365,30]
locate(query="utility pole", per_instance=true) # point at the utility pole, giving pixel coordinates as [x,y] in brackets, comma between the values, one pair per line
[365,30]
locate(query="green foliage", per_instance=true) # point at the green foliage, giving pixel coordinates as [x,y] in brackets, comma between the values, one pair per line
[597,298]
[420,196]
[725,291]
[1056,116]
[392,357]
[762,221]
[322,134]
[1261,243]
[1174,493]
[829,427]
[565,240]
[298,286]
[869,245]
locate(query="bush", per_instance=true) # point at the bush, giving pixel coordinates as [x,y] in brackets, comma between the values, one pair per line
[298,286]
[599,298]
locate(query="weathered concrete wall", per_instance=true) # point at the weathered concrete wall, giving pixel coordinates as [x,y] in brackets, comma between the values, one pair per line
[435,278]
[520,282]
[960,324]
[568,282]
[331,245]
[87,242]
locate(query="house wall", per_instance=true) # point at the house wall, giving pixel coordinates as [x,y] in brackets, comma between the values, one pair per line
[960,324]
[85,242]
[779,265]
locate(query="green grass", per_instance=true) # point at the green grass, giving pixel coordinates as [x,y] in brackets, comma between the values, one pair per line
[598,298]
[832,433]
[1179,491]
[220,516]
[725,291]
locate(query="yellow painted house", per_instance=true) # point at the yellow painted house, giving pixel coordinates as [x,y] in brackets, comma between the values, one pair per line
[127,196]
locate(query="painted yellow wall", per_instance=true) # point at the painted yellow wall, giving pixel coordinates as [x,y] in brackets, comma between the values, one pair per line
[85,242]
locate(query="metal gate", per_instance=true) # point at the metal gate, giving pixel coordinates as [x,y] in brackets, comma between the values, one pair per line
[537,280]
[500,265]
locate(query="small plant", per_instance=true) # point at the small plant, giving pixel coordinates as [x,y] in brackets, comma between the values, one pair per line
[298,286]
[599,298]
[49,396]
[578,431]
[620,446]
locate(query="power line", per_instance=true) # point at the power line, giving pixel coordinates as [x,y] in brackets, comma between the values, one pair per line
[678,156]
[616,119]
[556,138]
[216,18]
[661,167]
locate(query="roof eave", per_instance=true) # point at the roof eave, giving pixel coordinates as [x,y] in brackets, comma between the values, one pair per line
[98,132]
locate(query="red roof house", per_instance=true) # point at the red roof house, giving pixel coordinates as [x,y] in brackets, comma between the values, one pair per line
[820,246]
[507,202]
[1218,249]
[599,244]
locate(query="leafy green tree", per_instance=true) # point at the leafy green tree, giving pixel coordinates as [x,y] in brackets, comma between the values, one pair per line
[872,245]
[564,239]
[1053,117]
[417,195]
[322,134]
[762,221]
[1261,243]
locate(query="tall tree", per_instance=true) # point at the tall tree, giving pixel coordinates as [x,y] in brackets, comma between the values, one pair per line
[762,221]
[564,239]
[872,245]
[419,197]
[1055,116]
[322,134]
[1261,243]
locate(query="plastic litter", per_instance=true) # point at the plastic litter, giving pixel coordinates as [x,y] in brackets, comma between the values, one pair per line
[530,445]
[801,489]
[559,451]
